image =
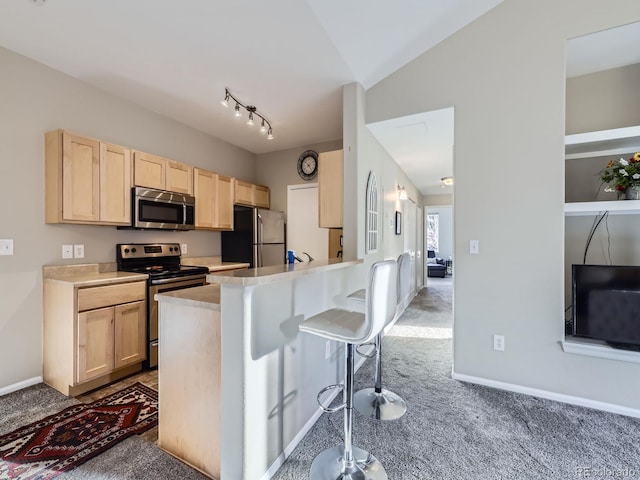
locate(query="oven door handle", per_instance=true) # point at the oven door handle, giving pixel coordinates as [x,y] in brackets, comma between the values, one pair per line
[163,281]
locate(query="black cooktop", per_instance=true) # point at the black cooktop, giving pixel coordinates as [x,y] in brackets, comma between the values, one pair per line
[158,260]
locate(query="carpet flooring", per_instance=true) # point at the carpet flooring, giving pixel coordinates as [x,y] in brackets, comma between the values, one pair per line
[454,430]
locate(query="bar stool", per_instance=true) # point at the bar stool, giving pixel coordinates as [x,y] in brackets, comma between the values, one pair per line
[378,402]
[352,328]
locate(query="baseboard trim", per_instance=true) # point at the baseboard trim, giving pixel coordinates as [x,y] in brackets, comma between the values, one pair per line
[301,434]
[558,397]
[20,385]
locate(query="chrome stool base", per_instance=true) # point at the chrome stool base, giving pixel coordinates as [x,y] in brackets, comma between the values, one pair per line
[329,465]
[385,405]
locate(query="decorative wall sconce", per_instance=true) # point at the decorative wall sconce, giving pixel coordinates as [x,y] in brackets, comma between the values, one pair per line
[447,181]
[265,126]
[402,193]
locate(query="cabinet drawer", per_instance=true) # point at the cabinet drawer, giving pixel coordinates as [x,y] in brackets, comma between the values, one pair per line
[97,297]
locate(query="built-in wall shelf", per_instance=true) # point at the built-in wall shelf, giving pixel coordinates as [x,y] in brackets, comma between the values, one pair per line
[596,348]
[603,143]
[614,207]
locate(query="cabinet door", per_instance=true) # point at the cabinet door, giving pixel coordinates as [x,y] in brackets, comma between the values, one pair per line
[330,189]
[243,193]
[80,178]
[149,170]
[224,202]
[95,343]
[204,187]
[179,177]
[261,196]
[130,333]
[115,184]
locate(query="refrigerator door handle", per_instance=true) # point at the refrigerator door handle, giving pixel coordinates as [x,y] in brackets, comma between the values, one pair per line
[260,229]
[260,256]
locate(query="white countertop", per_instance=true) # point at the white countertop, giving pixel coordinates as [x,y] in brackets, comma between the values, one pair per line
[96,279]
[227,266]
[207,296]
[214,264]
[275,273]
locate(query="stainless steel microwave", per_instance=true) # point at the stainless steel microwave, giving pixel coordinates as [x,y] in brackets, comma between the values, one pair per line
[159,209]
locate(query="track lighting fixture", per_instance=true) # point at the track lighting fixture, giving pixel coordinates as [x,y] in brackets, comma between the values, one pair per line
[265,125]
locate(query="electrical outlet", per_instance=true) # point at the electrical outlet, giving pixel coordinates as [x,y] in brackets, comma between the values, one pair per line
[67,251]
[6,246]
[78,251]
[474,247]
[498,342]
[327,350]
[183,248]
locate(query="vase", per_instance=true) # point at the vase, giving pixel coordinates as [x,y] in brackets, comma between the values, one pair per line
[632,193]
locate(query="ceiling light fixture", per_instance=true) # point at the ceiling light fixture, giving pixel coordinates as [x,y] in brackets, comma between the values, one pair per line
[402,193]
[448,181]
[265,126]
[39,3]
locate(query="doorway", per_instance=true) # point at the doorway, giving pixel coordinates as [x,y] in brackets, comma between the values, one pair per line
[303,232]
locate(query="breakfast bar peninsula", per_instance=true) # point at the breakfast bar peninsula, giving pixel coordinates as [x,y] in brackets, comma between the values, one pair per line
[238,382]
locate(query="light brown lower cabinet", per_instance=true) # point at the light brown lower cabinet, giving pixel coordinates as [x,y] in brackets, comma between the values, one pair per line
[91,336]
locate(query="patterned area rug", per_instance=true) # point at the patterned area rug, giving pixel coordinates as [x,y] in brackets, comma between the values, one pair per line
[44,449]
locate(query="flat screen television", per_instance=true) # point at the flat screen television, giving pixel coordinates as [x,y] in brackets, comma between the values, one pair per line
[606,304]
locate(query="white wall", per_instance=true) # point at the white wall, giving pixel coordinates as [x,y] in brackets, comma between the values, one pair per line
[505,74]
[35,99]
[363,153]
[280,169]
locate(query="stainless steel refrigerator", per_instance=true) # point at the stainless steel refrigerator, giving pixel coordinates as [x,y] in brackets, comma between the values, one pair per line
[258,237]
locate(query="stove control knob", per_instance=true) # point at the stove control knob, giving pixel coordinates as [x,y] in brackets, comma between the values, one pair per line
[171,249]
[126,250]
[133,250]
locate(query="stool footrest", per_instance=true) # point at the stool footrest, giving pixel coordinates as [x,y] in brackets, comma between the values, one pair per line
[326,389]
[366,355]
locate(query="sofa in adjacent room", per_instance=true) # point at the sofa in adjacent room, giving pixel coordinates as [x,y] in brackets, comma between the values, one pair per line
[436,266]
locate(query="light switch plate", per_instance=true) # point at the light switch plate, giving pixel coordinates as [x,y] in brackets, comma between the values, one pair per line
[6,246]
[183,248]
[474,247]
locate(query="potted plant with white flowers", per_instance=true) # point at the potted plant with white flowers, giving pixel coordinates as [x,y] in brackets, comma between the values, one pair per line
[623,176]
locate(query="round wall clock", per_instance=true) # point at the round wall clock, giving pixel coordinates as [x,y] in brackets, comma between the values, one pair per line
[308,164]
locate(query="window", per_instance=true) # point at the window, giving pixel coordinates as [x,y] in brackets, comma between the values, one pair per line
[433,231]
[371,206]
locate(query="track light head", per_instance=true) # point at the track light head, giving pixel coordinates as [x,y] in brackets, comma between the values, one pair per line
[270,135]
[263,129]
[237,114]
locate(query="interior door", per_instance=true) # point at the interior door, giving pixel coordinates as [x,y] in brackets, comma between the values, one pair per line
[303,232]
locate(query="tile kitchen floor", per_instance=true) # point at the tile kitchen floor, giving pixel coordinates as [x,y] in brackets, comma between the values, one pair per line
[148,378]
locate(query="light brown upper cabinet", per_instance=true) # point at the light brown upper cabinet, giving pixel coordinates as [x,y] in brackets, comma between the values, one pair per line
[156,172]
[86,181]
[214,200]
[261,196]
[224,202]
[252,195]
[330,189]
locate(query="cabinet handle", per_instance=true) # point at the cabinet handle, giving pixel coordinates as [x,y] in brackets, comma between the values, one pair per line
[154,344]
